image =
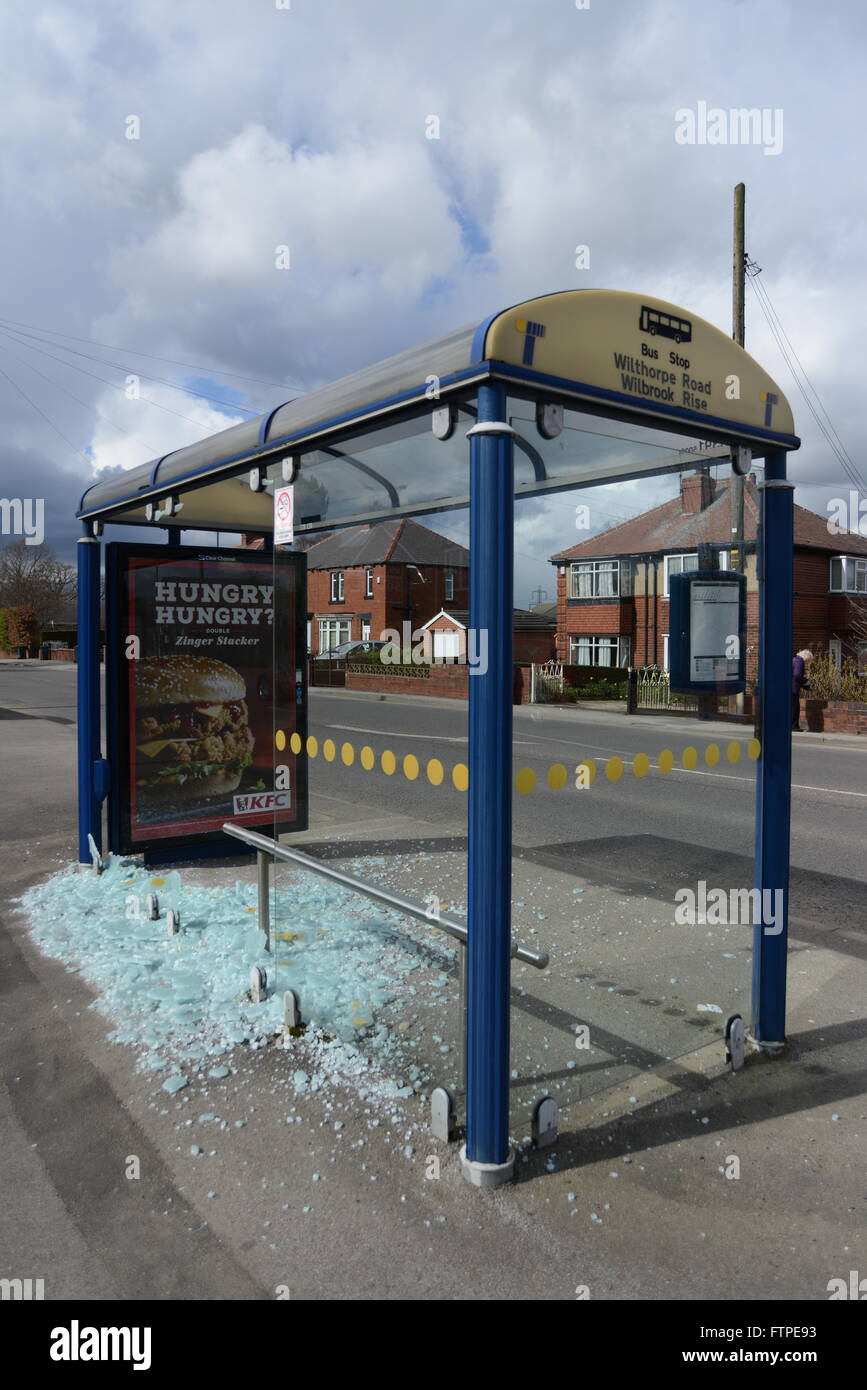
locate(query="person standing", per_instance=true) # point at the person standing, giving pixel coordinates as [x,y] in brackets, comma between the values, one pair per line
[800,682]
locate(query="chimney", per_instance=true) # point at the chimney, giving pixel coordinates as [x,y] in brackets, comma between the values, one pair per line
[696,491]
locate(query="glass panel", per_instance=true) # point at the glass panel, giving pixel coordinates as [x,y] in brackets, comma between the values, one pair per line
[403,469]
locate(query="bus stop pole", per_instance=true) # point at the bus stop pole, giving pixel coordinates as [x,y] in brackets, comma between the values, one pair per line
[87,678]
[487,1159]
[774,773]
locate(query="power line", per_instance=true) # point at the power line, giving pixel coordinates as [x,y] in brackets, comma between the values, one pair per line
[788,352]
[86,404]
[122,367]
[73,366]
[134,352]
[48,421]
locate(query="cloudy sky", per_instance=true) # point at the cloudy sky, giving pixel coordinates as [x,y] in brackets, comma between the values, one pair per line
[305,126]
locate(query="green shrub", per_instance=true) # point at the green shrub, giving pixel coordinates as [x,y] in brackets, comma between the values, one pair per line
[829,683]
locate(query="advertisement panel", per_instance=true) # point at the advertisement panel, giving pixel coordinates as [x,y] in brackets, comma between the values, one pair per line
[195,694]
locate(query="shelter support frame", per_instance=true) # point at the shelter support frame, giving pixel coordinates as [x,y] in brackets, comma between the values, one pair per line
[774,772]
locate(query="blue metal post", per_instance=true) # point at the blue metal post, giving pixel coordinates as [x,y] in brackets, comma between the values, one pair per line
[774,773]
[487,1158]
[89,806]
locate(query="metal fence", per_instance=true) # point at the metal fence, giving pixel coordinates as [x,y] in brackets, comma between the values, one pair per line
[650,693]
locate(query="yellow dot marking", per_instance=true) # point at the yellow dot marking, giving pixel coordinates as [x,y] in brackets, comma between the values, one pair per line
[754,748]
[388,762]
[733,752]
[641,764]
[614,769]
[329,750]
[249,909]
[525,781]
[557,777]
[689,757]
[521,325]
[435,772]
[410,767]
[461,776]
[368,758]
[280,739]
[157,882]
[665,762]
[295,743]
[312,746]
[590,770]
[360,1022]
[347,754]
[711,754]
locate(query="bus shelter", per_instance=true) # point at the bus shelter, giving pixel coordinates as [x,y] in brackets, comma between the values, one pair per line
[563,392]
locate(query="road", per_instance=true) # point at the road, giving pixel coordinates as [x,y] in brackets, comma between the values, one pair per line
[72,1106]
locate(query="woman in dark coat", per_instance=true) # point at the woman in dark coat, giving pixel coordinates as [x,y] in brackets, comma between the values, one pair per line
[799,683]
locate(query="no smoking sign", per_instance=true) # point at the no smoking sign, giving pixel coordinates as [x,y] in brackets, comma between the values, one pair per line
[284,515]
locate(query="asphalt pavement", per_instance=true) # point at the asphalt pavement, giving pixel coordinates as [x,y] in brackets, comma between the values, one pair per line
[633,1200]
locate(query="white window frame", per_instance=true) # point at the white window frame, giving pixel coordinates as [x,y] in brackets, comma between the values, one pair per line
[850,565]
[368,582]
[446,644]
[449,587]
[722,562]
[333,632]
[665,665]
[337,586]
[597,572]
[835,651]
[365,631]
[593,644]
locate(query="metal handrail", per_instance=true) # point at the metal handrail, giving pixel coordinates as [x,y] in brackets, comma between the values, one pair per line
[266,846]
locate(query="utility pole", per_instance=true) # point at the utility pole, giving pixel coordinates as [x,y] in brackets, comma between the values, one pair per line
[737,559]
[739,280]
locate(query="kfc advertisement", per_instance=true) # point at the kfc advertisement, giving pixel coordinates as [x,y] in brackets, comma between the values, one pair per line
[206,663]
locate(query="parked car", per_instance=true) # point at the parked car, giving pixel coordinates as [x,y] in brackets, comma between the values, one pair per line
[348,651]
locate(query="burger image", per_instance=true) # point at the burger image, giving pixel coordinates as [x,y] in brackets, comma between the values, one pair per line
[192,735]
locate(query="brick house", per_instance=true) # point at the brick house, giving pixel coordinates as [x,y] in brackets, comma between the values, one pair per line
[364,580]
[445,636]
[612,590]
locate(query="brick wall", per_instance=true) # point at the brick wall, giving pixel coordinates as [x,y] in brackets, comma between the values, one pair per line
[834,716]
[533,646]
[448,682]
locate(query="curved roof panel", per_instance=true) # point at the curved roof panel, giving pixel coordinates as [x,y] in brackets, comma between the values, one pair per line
[618,353]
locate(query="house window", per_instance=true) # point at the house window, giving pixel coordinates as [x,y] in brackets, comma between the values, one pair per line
[449,596]
[665,665]
[365,629]
[848,575]
[333,632]
[446,645]
[835,651]
[368,583]
[595,579]
[337,586]
[599,651]
[680,564]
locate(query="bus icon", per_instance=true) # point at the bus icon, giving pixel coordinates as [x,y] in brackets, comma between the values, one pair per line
[653,321]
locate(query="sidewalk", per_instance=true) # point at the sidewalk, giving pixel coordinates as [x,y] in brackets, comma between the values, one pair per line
[633,1199]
